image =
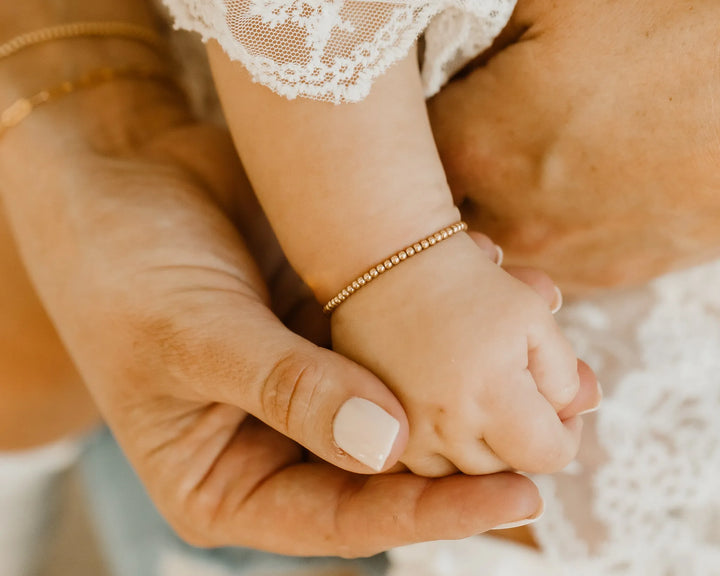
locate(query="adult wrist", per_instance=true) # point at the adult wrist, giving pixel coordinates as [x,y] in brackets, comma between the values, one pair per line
[42,65]
[17,18]
[90,77]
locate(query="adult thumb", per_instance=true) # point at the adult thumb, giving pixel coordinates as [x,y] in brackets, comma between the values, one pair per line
[335,408]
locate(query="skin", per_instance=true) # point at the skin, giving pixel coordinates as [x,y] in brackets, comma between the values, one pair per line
[129,238]
[588,144]
[654,171]
[474,356]
[524,136]
[43,397]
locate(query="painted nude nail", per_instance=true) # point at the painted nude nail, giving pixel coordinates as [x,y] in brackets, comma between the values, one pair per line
[524,522]
[558,302]
[365,431]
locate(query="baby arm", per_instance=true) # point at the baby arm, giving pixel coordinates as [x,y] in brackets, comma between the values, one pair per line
[473,355]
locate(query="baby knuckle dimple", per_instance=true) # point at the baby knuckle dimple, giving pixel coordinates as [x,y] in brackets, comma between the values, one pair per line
[478,459]
[288,389]
[431,465]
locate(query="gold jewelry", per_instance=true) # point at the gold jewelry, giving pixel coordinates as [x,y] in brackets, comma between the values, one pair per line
[22,108]
[393,261]
[84,30]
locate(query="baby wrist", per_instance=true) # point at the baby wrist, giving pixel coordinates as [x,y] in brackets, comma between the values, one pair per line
[392,261]
[351,247]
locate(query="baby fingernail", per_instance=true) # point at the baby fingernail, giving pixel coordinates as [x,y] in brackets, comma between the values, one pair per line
[365,431]
[589,411]
[599,402]
[524,522]
[500,256]
[557,302]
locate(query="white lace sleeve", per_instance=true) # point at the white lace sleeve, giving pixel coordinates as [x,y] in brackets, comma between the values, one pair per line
[333,50]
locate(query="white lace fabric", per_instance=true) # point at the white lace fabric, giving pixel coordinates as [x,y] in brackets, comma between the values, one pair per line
[333,50]
[644,497]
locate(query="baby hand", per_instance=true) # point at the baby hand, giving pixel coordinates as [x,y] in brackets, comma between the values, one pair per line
[474,356]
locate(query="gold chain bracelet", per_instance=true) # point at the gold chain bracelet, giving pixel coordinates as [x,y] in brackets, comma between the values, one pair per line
[391,262]
[22,108]
[74,30]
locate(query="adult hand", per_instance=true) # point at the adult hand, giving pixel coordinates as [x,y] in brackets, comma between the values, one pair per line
[588,144]
[129,234]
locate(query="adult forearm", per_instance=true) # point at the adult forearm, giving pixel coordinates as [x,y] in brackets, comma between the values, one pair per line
[42,397]
[34,154]
[20,17]
[45,65]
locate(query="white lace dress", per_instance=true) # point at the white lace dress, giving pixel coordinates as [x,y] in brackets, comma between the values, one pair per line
[333,49]
[643,498]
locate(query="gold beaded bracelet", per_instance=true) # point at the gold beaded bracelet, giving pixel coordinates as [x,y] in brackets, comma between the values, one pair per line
[22,108]
[391,262]
[72,30]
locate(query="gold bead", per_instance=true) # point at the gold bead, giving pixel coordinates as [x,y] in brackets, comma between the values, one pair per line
[393,260]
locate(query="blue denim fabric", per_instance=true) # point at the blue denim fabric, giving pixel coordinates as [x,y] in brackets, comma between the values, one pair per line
[138,542]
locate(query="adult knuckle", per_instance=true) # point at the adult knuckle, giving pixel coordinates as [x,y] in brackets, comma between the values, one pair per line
[288,390]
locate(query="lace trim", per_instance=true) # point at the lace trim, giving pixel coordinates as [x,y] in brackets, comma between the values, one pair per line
[333,50]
